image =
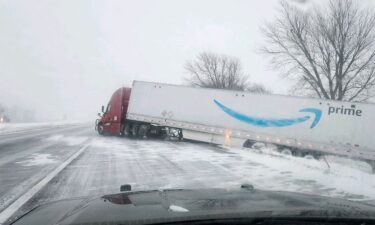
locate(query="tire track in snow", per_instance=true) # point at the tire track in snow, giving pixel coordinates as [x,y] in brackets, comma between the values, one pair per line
[147,164]
[23,168]
[10,210]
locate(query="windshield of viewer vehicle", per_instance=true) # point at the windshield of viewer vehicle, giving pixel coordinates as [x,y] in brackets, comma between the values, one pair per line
[210,108]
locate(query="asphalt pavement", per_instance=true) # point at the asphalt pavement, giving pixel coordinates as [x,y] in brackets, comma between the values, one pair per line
[43,165]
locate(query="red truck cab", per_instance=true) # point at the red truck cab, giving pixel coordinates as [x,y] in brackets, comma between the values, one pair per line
[114,115]
[113,121]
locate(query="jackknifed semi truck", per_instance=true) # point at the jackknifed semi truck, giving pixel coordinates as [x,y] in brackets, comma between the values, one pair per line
[307,126]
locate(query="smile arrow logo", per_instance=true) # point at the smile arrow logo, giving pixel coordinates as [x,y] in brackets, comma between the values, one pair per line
[263,122]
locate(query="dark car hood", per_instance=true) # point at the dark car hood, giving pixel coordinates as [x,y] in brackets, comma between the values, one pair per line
[162,206]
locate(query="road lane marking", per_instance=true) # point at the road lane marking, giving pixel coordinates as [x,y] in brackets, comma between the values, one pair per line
[16,205]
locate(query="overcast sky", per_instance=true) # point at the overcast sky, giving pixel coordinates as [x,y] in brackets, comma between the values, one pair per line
[67,57]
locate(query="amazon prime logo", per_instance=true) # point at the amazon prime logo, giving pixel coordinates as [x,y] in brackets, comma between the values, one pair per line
[352,111]
[264,122]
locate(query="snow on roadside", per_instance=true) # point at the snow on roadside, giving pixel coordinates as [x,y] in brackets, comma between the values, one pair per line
[348,163]
[6,128]
[38,159]
[200,165]
[341,177]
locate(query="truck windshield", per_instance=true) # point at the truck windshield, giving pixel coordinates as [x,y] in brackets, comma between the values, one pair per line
[277,95]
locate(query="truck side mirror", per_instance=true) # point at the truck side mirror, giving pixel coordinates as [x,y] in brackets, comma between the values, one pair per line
[103,108]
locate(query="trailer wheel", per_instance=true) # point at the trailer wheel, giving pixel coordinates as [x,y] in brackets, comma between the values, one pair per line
[248,143]
[100,129]
[309,157]
[286,151]
[180,135]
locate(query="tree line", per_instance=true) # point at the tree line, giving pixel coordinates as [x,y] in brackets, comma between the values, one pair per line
[326,52]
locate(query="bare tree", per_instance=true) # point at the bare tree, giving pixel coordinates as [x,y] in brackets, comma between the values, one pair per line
[258,88]
[216,71]
[330,52]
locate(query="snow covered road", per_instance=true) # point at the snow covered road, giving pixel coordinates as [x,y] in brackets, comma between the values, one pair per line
[78,162]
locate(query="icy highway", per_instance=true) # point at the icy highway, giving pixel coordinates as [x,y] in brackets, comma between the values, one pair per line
[43,164]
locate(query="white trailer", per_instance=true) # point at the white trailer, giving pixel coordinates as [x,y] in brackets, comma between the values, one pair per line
[233,117]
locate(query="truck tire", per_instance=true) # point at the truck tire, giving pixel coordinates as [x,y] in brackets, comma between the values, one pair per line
[100,129]
[180,135]
[286,151]
[126,131]
[134,130]
[309,157]
[142,131]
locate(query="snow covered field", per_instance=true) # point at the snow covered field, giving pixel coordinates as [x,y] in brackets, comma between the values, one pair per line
[70,162]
